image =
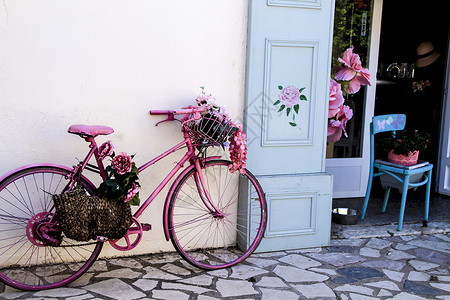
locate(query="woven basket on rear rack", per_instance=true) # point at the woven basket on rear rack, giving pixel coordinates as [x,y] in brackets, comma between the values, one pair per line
[208,130]
[83,217]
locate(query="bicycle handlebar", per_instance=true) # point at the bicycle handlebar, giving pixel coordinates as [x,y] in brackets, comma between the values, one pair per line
[183,111]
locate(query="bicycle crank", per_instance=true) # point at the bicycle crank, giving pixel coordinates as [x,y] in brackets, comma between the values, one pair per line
[133,236]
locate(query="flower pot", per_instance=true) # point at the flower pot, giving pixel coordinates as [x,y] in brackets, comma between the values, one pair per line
[389,181]
[405,160]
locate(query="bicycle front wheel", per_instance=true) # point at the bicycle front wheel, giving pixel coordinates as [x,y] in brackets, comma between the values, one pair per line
[213,239]
[34,254]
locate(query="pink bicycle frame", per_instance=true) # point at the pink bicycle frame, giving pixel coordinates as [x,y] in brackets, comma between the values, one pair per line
[190,157]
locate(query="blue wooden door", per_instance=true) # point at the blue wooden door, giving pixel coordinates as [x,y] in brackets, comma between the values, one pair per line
[288,69]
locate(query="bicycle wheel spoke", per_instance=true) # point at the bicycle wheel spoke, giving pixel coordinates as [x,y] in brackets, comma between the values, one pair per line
[31,256]
[215,238]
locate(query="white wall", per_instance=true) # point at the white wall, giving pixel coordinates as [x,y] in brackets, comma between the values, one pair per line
[108,62]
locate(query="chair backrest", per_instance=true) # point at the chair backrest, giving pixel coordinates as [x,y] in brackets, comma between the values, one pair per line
[384,123]
[388,123]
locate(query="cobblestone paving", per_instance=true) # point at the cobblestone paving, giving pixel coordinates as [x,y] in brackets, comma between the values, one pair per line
[407,266]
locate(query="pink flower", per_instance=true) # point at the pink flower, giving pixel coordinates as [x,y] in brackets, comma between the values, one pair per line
[289,96]
[206,100]
[121,163]
[352,71]
[335,98]
[334,132]
[131,192]
[345,113]
[105,149]
[338,126]
[238,150]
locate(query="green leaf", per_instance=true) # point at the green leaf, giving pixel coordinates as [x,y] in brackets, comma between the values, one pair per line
[282,107]
[135,200]
[110,182]
[277,102]
[134,169]
[296,108]
[302,89]
[292,124]
[288,110]
[303,97]
[280,87]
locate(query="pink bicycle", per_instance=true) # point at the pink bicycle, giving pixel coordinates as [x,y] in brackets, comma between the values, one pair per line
[202,216]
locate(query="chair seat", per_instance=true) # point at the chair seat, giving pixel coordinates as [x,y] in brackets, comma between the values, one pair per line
[400,169]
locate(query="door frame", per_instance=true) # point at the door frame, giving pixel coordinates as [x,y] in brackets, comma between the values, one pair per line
[443,175]
[360,165]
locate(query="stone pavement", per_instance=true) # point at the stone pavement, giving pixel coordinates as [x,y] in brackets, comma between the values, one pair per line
[377,263]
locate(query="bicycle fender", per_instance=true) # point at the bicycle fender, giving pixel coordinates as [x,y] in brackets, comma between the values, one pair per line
[170,193]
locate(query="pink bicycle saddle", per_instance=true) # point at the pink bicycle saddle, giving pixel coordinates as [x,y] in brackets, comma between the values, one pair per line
[90,130]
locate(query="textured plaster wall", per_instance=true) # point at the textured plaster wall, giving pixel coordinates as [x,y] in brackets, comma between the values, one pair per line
[108,62]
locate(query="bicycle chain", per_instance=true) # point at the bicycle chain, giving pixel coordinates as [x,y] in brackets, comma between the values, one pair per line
[77,245]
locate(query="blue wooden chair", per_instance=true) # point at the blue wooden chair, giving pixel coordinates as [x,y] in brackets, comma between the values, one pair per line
[401,173]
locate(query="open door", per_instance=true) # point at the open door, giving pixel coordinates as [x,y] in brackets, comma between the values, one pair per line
[288,67]
[444,157]
[357,23]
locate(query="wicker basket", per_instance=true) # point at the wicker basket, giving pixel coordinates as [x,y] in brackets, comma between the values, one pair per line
[208,130]
[83,217]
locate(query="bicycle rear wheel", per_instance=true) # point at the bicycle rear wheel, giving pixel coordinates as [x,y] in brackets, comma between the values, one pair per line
[34,254]
[211,240]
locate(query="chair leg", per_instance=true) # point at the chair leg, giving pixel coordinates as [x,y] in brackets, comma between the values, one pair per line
[386,198]
[403,204]
[366,199]
[427,198]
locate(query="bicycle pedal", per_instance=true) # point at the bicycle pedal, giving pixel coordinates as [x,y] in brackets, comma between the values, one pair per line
[101,238]
[146,227]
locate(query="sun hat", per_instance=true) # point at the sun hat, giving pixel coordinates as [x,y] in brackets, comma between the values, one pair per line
[426,54]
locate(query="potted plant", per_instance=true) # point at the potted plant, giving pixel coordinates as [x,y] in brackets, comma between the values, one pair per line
[404,148]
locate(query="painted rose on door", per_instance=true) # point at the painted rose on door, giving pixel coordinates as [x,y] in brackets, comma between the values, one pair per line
[289,101]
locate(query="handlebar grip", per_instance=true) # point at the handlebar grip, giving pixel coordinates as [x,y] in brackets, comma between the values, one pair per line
[183,111]
[161,112]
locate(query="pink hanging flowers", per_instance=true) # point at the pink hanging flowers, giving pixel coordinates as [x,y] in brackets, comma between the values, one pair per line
[351,76]
[336,98]
[238,150]
[352,71]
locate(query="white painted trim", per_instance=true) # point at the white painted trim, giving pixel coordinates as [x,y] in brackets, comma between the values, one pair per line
[443,164]
[368,113]
[316,4]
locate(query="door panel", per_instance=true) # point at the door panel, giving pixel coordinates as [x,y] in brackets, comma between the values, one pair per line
[288,67]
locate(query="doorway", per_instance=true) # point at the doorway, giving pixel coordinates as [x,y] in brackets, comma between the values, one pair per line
[394,30]
[403,86]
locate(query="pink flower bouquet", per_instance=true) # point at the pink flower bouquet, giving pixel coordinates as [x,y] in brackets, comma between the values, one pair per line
[228,134]
[121,183]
